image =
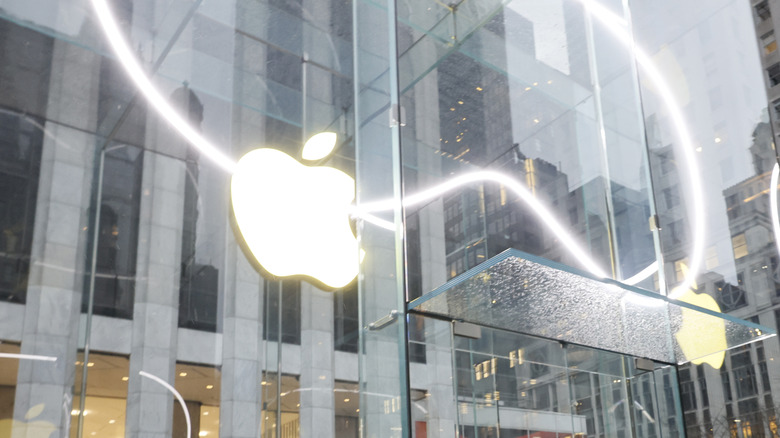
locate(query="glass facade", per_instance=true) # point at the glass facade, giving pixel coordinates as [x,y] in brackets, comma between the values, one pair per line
[380,218]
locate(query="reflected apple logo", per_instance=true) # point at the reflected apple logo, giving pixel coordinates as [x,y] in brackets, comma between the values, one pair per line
[701,334]
[42,429]
[293,220]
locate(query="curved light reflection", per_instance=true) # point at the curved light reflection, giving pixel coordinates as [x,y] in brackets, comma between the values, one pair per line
[619,29]
[176,394]
[611,21]
[160,103]
[537,207]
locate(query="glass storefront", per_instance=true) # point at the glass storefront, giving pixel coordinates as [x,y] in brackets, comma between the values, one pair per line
[381,218]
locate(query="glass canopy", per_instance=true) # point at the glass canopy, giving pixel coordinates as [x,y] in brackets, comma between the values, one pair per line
[523,293]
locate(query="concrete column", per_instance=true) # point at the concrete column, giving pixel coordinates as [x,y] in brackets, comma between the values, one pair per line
[242,352]
[155,313]
[317,410]
[59,247]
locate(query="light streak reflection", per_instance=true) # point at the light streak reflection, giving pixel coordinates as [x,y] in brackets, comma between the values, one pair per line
[615,24]
[773,205]
[176,394]
[619,29]
[27,357]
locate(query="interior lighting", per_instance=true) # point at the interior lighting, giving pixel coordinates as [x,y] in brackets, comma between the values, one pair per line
[182,374]
[209,386]
[717,140]
[175,393]
[111,421]
[479,88]
[125,379]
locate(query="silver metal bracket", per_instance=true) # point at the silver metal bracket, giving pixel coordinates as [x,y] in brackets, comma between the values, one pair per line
[384,321]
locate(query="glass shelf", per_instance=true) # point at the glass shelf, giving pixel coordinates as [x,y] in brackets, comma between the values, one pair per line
[528,294]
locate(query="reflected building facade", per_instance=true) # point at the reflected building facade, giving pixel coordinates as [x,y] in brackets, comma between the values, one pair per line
[121,265]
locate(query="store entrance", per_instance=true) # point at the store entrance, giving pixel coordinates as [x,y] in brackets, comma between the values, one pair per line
[506,384]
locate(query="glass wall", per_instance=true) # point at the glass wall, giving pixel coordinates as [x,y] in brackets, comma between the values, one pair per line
[215,214]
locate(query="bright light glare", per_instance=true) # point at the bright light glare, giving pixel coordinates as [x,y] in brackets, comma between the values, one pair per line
[773,205]
[319,146]
[137,75]
[613,23]
[300,226]
[641,275]
[28,357]
[540,210]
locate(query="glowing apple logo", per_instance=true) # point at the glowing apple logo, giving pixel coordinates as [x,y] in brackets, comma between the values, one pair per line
[701,334]
[294,219]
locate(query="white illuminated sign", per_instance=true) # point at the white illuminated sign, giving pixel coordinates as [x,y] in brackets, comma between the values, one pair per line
[294,219]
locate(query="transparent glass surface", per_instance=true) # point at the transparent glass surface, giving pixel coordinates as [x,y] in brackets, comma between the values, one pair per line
[121,244]
[508,384]
[384,379]
[522,293]
[119,254]
[713,189]
[522,130]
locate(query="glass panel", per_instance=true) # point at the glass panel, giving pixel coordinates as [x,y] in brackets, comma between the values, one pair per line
[384,379]
[524,293]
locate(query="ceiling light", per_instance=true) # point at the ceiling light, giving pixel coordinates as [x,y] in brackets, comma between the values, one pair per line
[125,379]
[209,386]
[182,374]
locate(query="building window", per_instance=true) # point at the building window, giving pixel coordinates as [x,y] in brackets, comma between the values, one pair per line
[739,243]
[687,391]
[744,374]
[345,320]
[711,261]
[726,381]
[768,42]
[679,273]
[774,74]
[671,198]
[20,155]
[290,292]
[120,209]
[762,10]
[731,297]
